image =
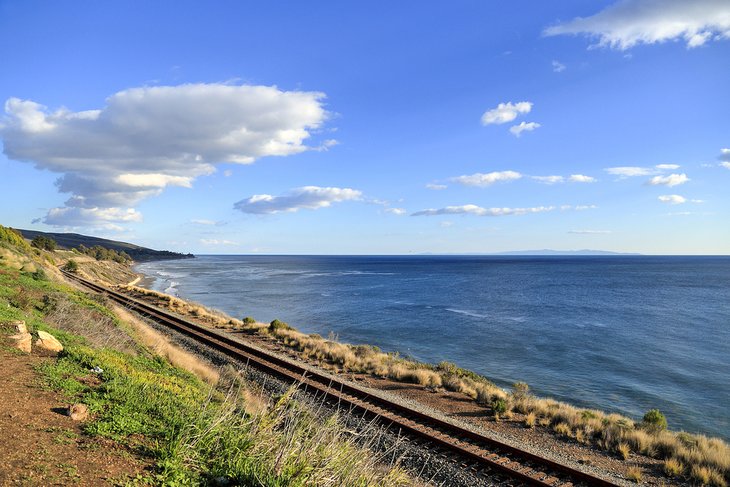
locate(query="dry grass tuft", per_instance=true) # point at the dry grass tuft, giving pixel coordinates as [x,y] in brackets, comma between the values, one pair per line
[673,467]
[634,473]
[624,450]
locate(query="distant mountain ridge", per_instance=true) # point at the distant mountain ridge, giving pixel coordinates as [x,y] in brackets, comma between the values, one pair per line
[136,252]
[563,252]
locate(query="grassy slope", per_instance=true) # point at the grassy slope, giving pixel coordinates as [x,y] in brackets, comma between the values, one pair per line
[192,432]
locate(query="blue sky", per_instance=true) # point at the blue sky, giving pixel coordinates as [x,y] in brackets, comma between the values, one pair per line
[370,127]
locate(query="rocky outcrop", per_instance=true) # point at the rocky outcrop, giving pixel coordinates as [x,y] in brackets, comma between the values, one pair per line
[21,341]
[48,342]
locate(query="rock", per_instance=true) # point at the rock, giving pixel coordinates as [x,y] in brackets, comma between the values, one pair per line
[22,341]
[78,412]
[16,325]
[48,342]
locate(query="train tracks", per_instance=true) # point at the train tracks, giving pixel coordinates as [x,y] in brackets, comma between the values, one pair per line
[475,451]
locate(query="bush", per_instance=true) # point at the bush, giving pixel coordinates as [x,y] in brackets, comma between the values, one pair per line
[44,243]
[499,406]
[248,320]
[278,325]
[654,420]
[39,275]
[71,266]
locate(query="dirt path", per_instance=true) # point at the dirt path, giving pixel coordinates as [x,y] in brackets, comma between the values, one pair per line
[39,445]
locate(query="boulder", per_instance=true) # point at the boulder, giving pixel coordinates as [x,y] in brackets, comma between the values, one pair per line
[78,412]
[21,341]
[48,342]
[18,326]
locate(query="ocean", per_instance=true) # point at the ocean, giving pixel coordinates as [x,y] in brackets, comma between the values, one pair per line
[619,333]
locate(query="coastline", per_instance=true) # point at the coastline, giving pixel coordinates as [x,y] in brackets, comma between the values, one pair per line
[567,425]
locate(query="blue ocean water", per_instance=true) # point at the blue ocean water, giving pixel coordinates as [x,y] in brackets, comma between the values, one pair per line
[622,334]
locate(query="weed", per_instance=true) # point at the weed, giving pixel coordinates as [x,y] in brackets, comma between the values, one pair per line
[654,420]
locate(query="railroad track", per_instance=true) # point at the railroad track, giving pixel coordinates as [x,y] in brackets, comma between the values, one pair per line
[474,451]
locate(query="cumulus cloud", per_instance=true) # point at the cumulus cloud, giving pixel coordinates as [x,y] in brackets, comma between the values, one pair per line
[309,197]
[108,218]
[558,67]
[436,187]
[590,232]
[505,112]
[580,178]
[627,23]
[573,178]
[483,180]
[725,158]
[479,211]
[517,130]
[146,139]
[632,171]
[672,199]
[549,179]
[629,171]
[669,180]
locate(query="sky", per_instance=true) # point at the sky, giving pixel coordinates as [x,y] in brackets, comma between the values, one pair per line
[375,127]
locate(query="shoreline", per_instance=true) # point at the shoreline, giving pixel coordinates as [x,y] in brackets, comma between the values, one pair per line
[571,427]
[633,404]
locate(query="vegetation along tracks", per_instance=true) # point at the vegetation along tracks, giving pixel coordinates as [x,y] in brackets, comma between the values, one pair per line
[473,450]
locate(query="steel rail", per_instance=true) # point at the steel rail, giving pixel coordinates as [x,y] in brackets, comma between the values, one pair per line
[478,450]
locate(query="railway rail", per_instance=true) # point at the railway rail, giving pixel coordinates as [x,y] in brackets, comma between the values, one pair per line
[475,451]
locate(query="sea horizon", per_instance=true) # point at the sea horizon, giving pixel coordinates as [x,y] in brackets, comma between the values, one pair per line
[563,324]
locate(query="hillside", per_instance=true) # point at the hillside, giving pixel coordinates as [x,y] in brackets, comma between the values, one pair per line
[138,253]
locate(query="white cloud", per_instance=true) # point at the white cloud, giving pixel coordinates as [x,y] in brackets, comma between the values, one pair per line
[629,171]
[725,158]
[505,112]
[517,130]
[108,218]
[396,211]
[479,211]
[573,178]
[203,222]
[627,23]
[581,207]
[152,180]
[436,187]
[309,197]
[670,180]
[672,199]
[632,171]
[483,180]
[145,139]
[446,224]
[215,241]
[558,67]
[580,178]
[549,179]
[590,232]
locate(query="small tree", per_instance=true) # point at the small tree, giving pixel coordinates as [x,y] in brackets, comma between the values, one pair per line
[654,420]
[249,320]
[71,266]
[44,243]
